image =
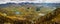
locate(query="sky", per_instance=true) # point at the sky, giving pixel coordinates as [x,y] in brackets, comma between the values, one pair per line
[34,1]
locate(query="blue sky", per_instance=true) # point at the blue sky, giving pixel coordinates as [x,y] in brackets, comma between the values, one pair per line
[34,1]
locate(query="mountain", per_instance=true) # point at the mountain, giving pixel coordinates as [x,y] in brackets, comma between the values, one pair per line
[27,3]
[52,4]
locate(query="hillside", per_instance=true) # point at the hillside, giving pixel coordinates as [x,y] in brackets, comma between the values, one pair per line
[12,13]
[50,18]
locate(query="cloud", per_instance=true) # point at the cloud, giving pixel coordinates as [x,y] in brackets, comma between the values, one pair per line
[18,1]
[34,1]
[52,1]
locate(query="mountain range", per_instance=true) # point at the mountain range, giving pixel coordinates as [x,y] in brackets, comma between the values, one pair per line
[27,3]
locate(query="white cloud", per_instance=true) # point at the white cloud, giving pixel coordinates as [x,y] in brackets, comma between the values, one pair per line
[52,1]
[35,1]
[17,1]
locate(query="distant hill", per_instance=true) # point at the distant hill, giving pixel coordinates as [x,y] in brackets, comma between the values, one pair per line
[27,3]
